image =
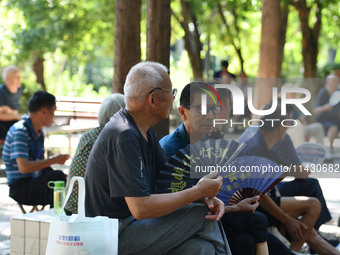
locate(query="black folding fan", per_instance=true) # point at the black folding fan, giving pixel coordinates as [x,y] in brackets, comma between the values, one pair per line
[194,161]
[240,180]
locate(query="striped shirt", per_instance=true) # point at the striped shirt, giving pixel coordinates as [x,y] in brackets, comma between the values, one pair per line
[19,144]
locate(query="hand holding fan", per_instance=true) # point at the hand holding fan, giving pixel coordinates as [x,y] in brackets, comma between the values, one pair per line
[184,169]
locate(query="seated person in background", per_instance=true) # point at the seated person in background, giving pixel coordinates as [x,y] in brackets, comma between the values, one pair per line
[121,176]
[327,114]
[27,171]
[283,211]
[109,106]
[308,130]
[246,230]
[224,76]
[10,93]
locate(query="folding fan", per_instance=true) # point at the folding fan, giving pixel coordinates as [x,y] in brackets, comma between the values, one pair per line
[249,176]
[243,177]
[335,98]
[311,153]
[194,161]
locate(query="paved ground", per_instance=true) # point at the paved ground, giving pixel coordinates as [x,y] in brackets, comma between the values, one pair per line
[330,186]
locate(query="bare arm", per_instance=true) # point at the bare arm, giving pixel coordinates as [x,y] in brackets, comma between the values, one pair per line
[8,114]
[158,205]
[29,166]
[323,108]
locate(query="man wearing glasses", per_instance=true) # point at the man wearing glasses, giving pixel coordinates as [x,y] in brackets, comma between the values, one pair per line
[121,174]
[195,124]
[242,225]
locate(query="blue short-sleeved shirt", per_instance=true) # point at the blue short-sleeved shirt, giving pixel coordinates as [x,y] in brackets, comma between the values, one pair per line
[19,144]
[173,142]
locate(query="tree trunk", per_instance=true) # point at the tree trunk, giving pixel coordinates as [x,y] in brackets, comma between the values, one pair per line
[310,36]
[38,68]
[192,41]
[127,51]
[235,36]
[310,47]
[283,29]
[269,53]
[158,43]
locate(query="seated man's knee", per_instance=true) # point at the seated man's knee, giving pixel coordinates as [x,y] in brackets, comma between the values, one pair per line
[257,219]
[315,205]
[58,175]
[242,244]
[313,183]
[197,210]
[195,245]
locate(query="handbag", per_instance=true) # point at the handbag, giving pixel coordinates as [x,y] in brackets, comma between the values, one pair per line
[77,234]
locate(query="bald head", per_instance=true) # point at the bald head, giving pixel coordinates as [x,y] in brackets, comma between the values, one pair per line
[142,78]
[332,82]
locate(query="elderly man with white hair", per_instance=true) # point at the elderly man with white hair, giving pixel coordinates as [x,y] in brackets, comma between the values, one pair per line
[328,114]
[121,174]
[10,93]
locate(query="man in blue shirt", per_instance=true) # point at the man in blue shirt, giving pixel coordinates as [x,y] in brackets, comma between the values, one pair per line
[28,172]
[241,225]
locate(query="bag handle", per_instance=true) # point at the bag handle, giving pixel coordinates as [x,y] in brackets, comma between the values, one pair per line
[81,196]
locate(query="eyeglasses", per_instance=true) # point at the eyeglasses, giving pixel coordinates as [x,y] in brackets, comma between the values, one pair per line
[173,91]
[216,109]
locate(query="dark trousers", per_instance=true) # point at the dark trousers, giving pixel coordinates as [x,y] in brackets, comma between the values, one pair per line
[35,191]
[244,231]
[4,127]
[276,247]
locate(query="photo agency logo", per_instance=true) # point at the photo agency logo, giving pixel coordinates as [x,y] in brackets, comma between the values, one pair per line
[238,101]
[211,94]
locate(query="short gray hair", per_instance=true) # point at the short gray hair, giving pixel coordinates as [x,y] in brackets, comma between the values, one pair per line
[330,77]
[142,78]
[8,70]
[109,107]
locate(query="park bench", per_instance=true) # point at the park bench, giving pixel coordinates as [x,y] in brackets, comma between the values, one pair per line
[74,115]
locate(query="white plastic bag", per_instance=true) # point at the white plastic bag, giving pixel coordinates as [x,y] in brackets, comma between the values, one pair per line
[77,234]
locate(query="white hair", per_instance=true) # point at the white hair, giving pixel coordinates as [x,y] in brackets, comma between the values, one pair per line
[8,70]
[330,78]
[142,78]
[109,107]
